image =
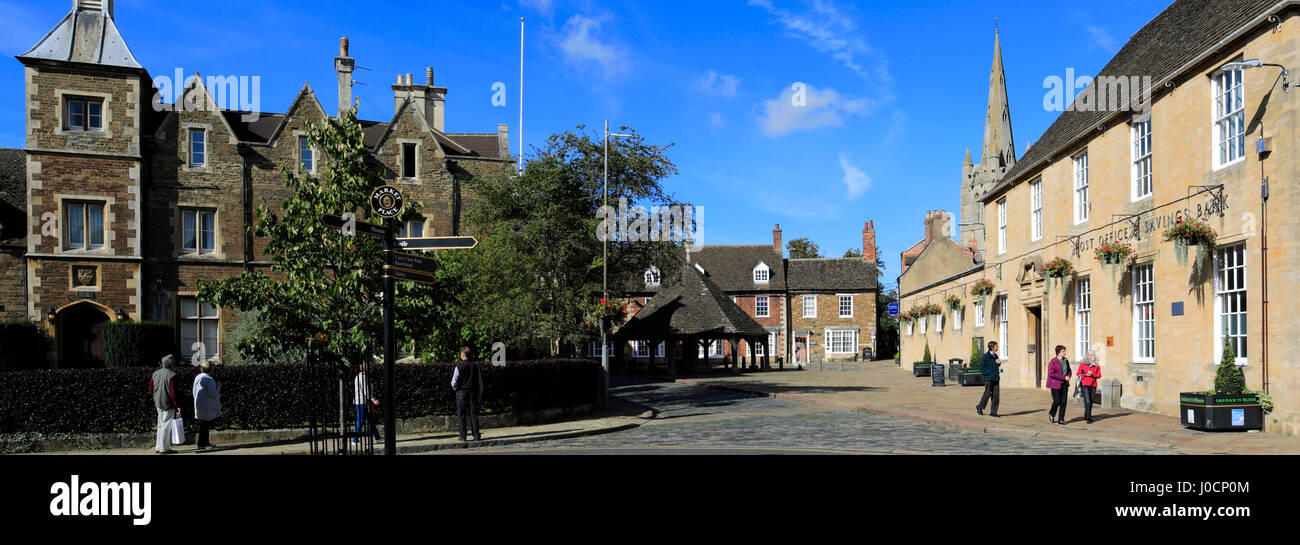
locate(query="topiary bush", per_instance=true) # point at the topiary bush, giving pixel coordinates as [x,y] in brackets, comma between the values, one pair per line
[927,358]
[1229,380]
[274,396]
[975,355]
[23,345]
[137,344]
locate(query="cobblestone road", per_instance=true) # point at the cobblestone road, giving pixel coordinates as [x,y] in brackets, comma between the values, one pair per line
[694,416]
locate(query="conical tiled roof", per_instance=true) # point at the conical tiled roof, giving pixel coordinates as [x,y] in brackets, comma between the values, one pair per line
[693,306]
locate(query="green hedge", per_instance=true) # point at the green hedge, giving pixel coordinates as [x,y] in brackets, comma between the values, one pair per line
[137,344]
[273,396]
[22,345]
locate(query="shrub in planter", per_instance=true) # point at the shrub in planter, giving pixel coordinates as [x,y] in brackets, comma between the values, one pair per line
[137,344]
[922,368]
[1229,406]
[23,345]
[970,374]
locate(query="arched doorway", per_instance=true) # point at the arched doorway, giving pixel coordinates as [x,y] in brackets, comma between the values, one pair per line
[79,333]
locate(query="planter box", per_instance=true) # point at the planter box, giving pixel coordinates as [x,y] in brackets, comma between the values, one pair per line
[920,369]
[967,377]
[1208,412]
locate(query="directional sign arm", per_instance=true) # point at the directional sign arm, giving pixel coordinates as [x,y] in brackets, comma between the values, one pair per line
[437,243]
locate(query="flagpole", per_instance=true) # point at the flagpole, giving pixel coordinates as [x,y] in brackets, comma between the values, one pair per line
[520,166]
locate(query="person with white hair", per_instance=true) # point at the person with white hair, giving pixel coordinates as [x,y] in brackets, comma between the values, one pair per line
[207,404]
[1089,373]
[162,387]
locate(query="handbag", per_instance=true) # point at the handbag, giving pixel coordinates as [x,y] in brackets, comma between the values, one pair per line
[1078,392]
[178,431]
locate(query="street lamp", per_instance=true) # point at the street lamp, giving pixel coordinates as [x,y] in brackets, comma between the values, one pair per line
[1256,63]
[604,268]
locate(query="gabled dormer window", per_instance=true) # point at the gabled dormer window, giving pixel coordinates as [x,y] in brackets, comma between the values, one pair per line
[652,276]
[761,273]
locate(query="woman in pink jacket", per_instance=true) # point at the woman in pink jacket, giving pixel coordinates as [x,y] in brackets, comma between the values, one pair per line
[1058,381]
[1089,373]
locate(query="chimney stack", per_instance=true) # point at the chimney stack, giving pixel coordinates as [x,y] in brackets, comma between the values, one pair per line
[344,65]
[503,140]
[427,99]
[869,241]
[776,239]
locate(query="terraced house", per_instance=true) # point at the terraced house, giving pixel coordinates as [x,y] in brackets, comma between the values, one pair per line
[128,203]
[1215,141]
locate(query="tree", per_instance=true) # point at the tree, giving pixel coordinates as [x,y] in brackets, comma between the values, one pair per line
[802,248]
[1229,380]
[325,297]
[852,252]
[535,277]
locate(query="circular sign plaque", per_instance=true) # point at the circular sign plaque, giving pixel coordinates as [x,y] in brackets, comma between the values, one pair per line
[386,201]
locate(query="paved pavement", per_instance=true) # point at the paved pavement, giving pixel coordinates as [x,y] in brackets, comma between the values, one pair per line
[695,419]
[881,388]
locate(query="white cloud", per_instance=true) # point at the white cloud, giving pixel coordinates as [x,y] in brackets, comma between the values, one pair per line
[717,121]
[714,83]
[830,31]
[855,180]
[581,45]
[544,7]
[820,109]
[1099,38]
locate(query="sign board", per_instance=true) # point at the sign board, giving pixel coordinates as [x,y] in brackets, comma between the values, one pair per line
[386,201]
[437,243]
[1176,309]
[414,263]
[360,227]
[893,309]
[408,275]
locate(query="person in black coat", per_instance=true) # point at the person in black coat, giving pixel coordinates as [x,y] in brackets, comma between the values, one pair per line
[467,380]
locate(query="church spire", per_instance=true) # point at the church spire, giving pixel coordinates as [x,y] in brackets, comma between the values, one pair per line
[999,146]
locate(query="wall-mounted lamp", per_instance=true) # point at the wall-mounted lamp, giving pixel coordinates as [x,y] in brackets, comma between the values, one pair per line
[122,315]
[49,315]
[1256,63]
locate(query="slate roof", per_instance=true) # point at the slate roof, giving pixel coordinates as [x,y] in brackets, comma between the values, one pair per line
[1172,39]
[261,131]
[695,305]
[732,267]
[831,274]
[87,36]
[13,196]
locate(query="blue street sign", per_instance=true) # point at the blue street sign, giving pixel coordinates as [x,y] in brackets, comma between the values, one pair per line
[893,309]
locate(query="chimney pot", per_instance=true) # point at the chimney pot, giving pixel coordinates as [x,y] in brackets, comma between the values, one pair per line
[343,46]
[409,78]
[428,76]
[776,239]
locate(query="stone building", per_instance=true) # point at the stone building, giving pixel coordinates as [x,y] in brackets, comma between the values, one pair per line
[130,202]
[1216,139]
[813,309]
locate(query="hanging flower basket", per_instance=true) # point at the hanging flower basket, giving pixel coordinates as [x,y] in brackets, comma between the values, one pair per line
[1056,271]
[953,301]
[1192,232]
[607,312]
[982,288]
[1114,255]
[931,309]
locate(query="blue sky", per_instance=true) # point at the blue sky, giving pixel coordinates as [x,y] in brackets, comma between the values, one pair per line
[895,91]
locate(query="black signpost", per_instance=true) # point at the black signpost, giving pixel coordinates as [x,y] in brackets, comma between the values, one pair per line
[387,202]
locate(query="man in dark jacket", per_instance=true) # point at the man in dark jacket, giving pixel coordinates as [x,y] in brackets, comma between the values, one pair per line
[467,380]
[991,370]
[162,387]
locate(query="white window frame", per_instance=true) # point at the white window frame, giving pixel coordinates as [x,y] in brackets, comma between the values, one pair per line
[85,243]
[211,350]
[979,314]
[938,323]
[956,319]
[1082,202]
[810,306]
[1143,186]
[1235,289]
[841,341]
[306,155]
[401,158]
[1082,317]
[842,298]
[1036,209]
[198,213]
[1002,323]
[762,273]
[924,322]
[202,160]
[909,328]
[86,117]
[758,347]
[1002,226]
[1228,112]
[652,276]
[1144,314]
[762,307]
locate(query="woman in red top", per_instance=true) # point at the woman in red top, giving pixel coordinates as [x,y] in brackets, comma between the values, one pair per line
[1058,381]
[1089,372]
